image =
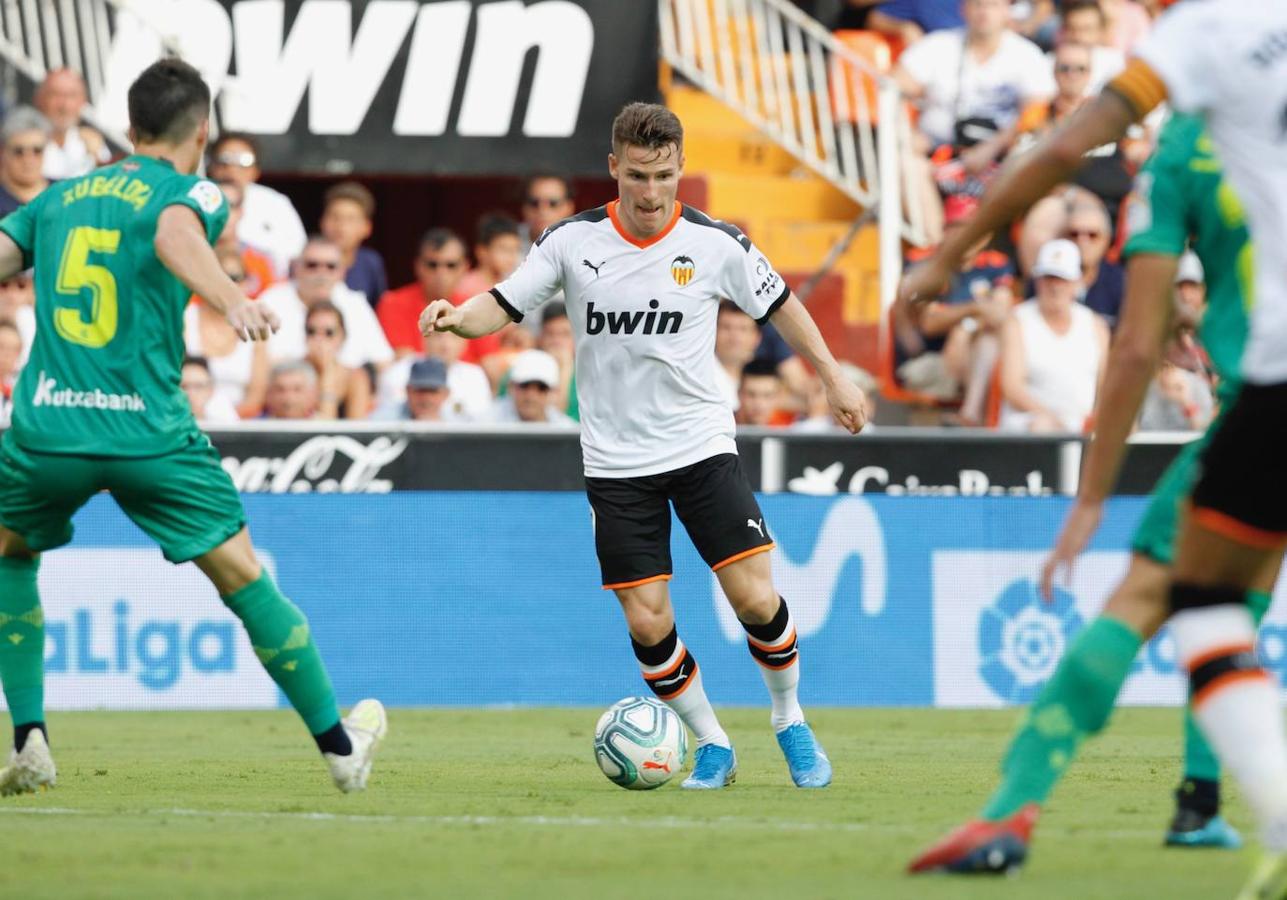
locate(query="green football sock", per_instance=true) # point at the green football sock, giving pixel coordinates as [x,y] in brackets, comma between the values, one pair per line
[1199,760]
[1076,702]
[22,641]
[282,641]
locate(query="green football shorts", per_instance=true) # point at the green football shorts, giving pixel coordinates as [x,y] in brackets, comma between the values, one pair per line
[1158,530]
[183,500]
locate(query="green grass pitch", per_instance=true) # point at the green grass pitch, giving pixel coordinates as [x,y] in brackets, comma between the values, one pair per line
[509,803]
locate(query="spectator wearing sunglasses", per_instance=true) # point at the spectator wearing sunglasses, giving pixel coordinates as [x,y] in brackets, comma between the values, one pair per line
[348,216]
[342,392]
[317,276]
[1084,23]
[533,380]
[238,369]
[269,222]
[1103,282]
[547,200]
[22,158]
[440,266]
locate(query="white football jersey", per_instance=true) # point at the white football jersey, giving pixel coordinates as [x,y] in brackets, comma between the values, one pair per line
[644,314]
[1227,60]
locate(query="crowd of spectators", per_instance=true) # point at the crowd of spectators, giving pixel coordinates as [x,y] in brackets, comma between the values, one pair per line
[1019,340]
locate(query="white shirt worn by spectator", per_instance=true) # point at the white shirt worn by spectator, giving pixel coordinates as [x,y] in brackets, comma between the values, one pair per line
[1161,413]
[505,413]
[231,373]
[365,341]
[218,412]
[469,393]
[644,315]
[1213,59]
[959,88]
[73,158]
[728,387]
[1062,368]
[270,224]
[25,318]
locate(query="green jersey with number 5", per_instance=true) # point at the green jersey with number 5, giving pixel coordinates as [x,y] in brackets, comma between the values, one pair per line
[103,375]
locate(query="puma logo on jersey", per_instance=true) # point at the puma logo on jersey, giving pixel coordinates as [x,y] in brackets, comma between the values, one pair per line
[635,321]
[592,266]
[758,526]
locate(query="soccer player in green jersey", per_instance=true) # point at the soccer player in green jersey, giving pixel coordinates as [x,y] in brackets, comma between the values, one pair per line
[98,407]
[1180,195]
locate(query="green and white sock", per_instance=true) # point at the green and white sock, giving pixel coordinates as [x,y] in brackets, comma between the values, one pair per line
[1076,702]
[282,641]
[22,645]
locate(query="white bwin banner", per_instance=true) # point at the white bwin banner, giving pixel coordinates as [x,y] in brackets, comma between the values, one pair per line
[124,629]
[997,642]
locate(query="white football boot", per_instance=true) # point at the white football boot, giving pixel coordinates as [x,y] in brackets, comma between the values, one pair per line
[31,769]
[366,725]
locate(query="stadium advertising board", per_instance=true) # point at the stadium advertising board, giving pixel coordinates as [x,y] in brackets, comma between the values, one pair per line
[373,460]
[126,630]
[392,86]
[452,598]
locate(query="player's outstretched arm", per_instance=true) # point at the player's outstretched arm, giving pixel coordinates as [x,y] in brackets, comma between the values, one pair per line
[10,257]
[182,247]
[799,330]
[1022,182]
[477,316]
[1135,354]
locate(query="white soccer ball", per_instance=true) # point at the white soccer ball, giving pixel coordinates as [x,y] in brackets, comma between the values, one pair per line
[640,743]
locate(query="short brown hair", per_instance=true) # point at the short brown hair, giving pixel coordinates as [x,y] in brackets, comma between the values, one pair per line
[647,125]
[352,191]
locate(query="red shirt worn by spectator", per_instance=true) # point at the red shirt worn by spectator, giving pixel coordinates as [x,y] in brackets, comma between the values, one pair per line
[399,314]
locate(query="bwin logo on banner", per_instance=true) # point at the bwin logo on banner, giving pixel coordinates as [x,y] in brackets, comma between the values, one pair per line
[850,529]
[124,629]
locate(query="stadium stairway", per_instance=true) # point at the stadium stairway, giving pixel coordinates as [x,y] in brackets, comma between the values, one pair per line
[737,174]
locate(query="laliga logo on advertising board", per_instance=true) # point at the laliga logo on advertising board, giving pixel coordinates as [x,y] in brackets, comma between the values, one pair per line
[850,529]
[1021,639]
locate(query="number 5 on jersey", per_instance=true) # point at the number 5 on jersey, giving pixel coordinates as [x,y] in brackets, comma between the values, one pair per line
[76,274]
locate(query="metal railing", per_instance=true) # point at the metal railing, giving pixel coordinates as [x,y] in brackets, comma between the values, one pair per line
[815,96]
[38,36]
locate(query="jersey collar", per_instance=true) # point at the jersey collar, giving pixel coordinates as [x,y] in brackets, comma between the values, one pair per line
[646,242]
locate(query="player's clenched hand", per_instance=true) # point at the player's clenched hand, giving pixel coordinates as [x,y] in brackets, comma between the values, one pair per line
[440,316]
[253,322]
[848,405]
[1079,528]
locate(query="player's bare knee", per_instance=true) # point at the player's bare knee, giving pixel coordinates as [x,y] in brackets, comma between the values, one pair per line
[232,565]
[1140,601]
[12,546]
[648,613]
[755,601]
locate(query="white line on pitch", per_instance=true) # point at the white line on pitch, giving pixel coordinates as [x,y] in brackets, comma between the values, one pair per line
[530,821]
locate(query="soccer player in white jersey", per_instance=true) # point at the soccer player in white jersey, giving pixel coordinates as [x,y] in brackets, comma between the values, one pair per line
[643,278]
[1227,61]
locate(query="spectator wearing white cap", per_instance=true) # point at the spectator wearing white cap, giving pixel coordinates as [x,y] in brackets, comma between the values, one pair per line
[1053,350]
[533,379]
[1190,287]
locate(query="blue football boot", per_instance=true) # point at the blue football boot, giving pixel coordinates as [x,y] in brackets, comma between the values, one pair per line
[808,762]
[1192,829]
[714,767]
